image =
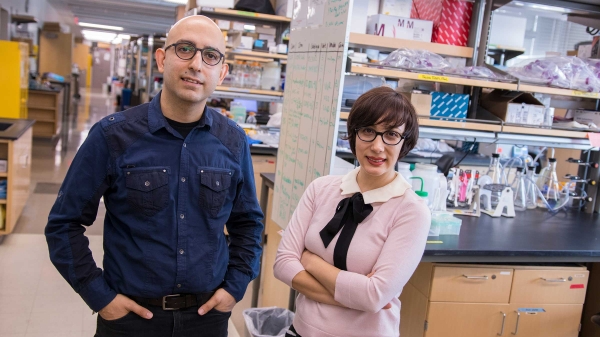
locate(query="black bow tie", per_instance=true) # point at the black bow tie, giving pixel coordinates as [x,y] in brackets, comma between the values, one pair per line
[348,214]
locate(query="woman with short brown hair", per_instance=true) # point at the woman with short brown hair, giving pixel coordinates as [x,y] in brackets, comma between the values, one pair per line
[354,241]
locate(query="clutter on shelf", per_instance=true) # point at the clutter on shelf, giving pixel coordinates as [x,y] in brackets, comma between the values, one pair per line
[570,72]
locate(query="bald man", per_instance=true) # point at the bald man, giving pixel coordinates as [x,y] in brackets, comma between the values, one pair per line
[171,173]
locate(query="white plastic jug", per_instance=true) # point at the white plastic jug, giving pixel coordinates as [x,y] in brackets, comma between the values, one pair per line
[431,179]
[404,170]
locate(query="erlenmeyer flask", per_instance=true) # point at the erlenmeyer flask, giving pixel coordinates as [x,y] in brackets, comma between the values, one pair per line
[549,185]
[520,195]
[530,189]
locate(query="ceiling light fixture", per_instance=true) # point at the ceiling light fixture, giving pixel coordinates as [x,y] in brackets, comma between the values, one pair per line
[93,25]
[180,2]
[92,35]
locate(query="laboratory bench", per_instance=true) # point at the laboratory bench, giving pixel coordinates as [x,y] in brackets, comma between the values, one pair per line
[532,236]
[15,175]
[533,243]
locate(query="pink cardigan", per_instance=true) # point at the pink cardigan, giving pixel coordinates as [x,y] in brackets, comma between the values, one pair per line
[390,242]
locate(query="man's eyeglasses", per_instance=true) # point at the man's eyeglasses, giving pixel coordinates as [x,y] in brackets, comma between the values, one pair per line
[187,51]
[368,135]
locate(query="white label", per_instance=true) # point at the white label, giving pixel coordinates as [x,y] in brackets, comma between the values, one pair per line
[504,273]
[579,275]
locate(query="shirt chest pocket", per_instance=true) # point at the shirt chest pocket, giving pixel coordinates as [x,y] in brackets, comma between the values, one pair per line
[214,188]
[147,190]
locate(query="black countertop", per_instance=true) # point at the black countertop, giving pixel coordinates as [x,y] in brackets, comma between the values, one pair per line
[532,236]
[16,129]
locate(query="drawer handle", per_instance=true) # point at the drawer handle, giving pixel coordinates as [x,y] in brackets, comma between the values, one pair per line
[517,327]
[503,320]
[562,279]
[475,277]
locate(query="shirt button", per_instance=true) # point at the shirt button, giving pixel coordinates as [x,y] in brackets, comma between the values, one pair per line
[182,216]
[217,183]
[183,179]
[147,183]
[184,145]
[179,286]
[181,251]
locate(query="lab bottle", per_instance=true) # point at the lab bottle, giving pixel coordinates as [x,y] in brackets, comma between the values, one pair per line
[530,188]
[251,118]
[495,170]
[549,185]
[520,194]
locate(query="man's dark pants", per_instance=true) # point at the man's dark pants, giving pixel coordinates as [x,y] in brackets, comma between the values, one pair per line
[176,323]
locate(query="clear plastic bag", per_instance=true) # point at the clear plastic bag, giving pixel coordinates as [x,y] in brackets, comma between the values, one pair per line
[563,72]
[268,322]
[415,59]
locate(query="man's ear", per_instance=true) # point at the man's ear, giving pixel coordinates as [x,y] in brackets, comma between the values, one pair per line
[160,59]
[224,71]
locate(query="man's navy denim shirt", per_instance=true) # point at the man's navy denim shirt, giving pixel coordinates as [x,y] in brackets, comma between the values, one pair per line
[167,199]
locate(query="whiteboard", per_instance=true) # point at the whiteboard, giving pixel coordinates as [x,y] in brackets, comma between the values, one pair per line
[316,57]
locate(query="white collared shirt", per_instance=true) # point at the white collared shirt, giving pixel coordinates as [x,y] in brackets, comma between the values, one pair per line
[395,188]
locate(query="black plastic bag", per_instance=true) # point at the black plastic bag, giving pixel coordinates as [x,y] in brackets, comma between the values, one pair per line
[258,6]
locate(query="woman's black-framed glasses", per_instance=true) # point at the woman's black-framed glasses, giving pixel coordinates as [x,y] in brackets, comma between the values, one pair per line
[187,51]
[389,137]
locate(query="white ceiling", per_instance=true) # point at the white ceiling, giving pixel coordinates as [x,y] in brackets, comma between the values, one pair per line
[137,17]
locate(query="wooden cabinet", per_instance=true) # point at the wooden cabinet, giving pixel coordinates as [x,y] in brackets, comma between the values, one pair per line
[476,285]
[549,286]
[443,300]
[18,156]
[273,292]
[46,108]
[535,320]
[466,320]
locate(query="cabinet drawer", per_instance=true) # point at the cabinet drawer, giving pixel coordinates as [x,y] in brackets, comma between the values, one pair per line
[549,286]
[473,285]
[543,320]
[466,320]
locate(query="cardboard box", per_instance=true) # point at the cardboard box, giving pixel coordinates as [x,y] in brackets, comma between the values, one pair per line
[24,40]
[515,107]
[246,42]
[449,105]
[223,24]
[586,116]
[238,26]
[421,101]
[395,7]
[440,104]
[399,27]
[451,19]
[51,26]
[264,29]
[233,39]
[208,3]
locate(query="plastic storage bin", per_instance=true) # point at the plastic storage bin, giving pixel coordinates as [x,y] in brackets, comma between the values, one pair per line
[448,224]
[268,322]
